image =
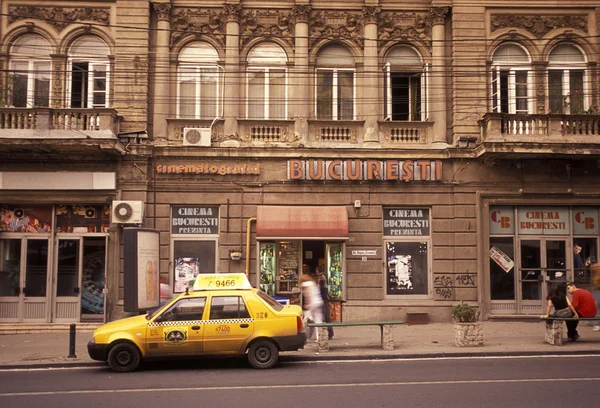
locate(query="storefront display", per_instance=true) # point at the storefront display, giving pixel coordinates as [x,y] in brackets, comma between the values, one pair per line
[287,275]
[267,268]
[334,270]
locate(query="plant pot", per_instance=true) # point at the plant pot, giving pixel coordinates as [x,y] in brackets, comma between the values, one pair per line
[468,334]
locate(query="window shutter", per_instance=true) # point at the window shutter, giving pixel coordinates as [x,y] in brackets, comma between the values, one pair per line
[387,89]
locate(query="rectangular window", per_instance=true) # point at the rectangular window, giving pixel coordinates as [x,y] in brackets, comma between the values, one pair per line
[407,267]
[198,93]
[335,94]
[405,100]
[266,94]
[510,91]
[190,258]
[555,92]
[30,84]
[502,281]
[566,92]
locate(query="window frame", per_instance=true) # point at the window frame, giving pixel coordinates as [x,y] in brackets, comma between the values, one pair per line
[335,108]
[508,70]
[266,94]
[423,75]
[200,69]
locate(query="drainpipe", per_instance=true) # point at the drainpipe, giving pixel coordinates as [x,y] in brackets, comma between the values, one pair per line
[248,234]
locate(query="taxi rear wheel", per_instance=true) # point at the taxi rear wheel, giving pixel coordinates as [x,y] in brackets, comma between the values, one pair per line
[263,354]
[124,358]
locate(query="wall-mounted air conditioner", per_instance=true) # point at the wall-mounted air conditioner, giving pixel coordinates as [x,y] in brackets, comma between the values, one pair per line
[127,212]
[196,136]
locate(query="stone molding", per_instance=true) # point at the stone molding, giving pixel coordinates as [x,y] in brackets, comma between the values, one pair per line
[438,15]
[199,22]
[162,10]
[301,13]
[59,17]
[267,24]
[325,25]
[539,25]
[404,26]
[232,12]
[370,14]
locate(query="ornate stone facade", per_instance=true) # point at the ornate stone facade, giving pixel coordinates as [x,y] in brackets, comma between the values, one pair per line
[404,26]
[336,25]
[162,10]
[267,24]
[539,25]
[59,17]
[198,22]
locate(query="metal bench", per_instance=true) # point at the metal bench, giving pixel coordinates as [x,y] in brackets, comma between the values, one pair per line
[555,327]
[387,335]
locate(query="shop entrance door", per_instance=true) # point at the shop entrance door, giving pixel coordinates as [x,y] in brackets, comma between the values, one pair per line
[542,262]
[24,280]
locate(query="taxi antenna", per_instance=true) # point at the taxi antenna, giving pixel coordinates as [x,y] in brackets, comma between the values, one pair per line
[187,290]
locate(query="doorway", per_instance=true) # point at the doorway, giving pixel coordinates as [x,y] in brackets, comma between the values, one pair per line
[313,255]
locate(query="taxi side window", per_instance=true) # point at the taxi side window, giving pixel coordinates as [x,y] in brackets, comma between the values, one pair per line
[228,307]
[185,309]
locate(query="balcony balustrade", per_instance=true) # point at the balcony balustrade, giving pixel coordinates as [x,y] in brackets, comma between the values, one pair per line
[403,134]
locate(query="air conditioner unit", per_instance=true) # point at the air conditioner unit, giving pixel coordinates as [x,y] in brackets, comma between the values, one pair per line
[196,136]
[127,212]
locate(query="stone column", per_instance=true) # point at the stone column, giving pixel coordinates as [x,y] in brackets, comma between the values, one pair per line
[233,97]
[298,84]
[58,80]
[540,71]
[437,88]
[161,98]
[370,86]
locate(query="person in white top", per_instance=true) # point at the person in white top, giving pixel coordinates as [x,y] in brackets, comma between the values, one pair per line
[312,302]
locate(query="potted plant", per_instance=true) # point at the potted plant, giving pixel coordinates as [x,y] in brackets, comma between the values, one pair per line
[468,330]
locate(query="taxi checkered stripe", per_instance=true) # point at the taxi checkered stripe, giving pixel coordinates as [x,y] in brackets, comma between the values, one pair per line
[190,322]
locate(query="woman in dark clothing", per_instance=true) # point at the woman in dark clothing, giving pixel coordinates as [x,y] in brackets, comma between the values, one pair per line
[558,300]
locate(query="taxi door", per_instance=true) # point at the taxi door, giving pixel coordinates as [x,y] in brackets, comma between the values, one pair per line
[178,330]
[229,325]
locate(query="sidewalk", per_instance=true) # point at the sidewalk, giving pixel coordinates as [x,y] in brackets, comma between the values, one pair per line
[430,340]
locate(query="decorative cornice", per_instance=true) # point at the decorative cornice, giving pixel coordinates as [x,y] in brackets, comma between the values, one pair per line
[539,25]
[404,26]
[267,24]
[232,12]
[438,15]
[199,21]
[370,14]
[301,13]
[162,10]
[59,17]
[336,25]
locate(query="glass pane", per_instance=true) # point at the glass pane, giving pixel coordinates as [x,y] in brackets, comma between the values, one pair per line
[530,254]
[576,94]
[502,283]
[10,264]
[555,91]
[256,95]
[400,96]
[277,94]
[407,269]
[187,98]
[185,310]
[228,307]
[99,85]
[521,91]
[68,268]
[324,95]
[19,90]
[41,97]
[556,257]
[531,291]
[415,98]
[584,254]
[345,96]
[192,258]
[36,270]
[208,94]
[93,275]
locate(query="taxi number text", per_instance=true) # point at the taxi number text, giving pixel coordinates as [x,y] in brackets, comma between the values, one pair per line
[262,315]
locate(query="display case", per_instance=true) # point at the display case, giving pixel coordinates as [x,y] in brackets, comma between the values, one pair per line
[334,270]
[287,274]
[268,267]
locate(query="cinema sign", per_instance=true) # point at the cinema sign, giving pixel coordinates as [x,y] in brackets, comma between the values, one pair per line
[356,169]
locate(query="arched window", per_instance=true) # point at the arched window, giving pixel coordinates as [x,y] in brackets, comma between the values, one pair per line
[567,90]
[335,84]
[511,81]
[30,72]
[198,82]
[89,73]
[405,90]
[266,82]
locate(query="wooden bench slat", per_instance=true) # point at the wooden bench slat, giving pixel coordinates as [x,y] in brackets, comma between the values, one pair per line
[338,324]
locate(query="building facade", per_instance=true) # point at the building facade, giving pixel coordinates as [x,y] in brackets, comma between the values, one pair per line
[423,152]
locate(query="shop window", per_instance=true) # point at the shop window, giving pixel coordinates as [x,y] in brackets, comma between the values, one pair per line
[185,310]
[26,218]
[198,83]
[228,307]
[335,84]
[30,72]
[584,255]
[82,218]
[502,271]
[266,82]
[89,73]
[192,257]
[405,85]
[511,80]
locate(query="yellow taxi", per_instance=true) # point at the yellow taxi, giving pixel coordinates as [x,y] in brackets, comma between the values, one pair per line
[223,314]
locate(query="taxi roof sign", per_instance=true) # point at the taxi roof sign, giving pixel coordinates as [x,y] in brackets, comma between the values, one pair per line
[222,281]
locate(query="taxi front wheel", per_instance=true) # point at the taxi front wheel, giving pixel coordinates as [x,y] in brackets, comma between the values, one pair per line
[263,354]
[124,358]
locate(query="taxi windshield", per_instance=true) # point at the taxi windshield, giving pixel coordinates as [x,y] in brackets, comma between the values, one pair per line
[270,301]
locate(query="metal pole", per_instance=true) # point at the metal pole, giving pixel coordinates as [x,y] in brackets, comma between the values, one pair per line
[72,334]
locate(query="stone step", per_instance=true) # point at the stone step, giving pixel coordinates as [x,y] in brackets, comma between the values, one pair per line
[36,328]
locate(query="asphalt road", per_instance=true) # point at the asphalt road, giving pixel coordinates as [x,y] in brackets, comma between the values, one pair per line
[465,383]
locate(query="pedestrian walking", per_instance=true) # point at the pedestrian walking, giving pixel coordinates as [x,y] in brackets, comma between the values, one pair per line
[312,303]
[324,289]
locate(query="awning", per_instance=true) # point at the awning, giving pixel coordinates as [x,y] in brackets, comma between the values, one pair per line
[300,222]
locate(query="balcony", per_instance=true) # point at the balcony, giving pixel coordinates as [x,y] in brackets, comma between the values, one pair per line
[59,131]
[335,133]
[550,134]
[405,134]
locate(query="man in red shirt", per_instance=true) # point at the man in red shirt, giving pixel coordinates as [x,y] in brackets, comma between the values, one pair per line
[584,303]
